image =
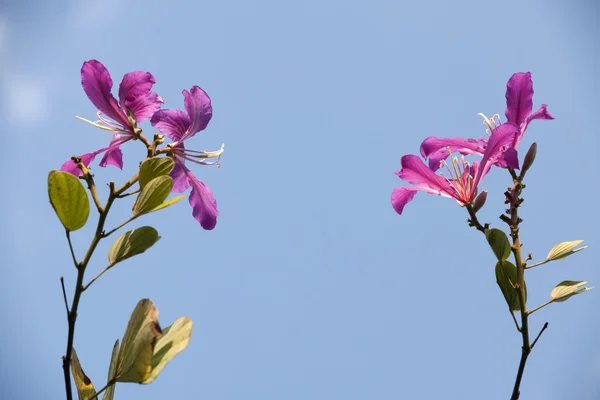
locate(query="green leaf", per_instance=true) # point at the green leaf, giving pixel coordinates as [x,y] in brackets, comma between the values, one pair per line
[174,339]
[135,356]
[564,290]
[152,195]
[85,389]
[506,277]
[69,200]
[564,249]
[153,168]
[168,203]
[112,370]
[499,243]
[132,243]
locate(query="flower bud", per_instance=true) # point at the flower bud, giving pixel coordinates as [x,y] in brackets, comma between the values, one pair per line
[529,158]
[479,201]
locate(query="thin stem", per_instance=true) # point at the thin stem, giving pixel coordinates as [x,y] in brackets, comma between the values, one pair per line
[512,314]
[542,306]
[539,334]
[62,283]
[118,227]
[129,194]
[109,384]
[71,248]
[89,179]
[473,221]
[96,277]
[537,264]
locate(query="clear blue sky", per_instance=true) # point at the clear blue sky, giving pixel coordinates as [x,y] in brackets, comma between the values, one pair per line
[311,286]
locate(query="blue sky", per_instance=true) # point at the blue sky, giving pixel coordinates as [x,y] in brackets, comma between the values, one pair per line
[311,286]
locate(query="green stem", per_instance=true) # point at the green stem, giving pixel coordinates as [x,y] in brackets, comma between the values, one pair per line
[118,227]
[536,265]
[542,306]
[96,277]
[109,384]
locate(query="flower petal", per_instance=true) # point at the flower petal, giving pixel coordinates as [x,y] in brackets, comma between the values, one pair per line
[135,84]
[501,137]
[511,158]
[436,149]
[97,84]
[199,108]
[416,172]
[519,97]
[171,123]
[542,113]
[402,196]
[113,156]
[71,167]
[144,106]
[180,179]
[203,203]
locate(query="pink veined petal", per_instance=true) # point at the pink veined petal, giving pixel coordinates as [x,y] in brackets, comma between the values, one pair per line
[180,180]
[416,172]
[204,205]
[135,84]
[144,105]
[402,196]
[436,149]
[542,113]
[71,167]
[519,97]
[171,123]
[502,136]
[113,156]
[97,84]
[199,108]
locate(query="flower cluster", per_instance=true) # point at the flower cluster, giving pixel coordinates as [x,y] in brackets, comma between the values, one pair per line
[499,149]
[137,103]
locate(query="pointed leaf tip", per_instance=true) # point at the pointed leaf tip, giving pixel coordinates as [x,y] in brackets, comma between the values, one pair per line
[499,243]
[112,371]
[566,289]
[564,249]
[506,277]
[69,200]
[174,339]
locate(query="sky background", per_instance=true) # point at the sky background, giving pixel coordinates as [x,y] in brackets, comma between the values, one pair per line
[311,286]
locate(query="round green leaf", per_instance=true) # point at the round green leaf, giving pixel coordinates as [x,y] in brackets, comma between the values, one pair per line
[152,195]
[153,168]
[499,243]
[69,200]
[132,243]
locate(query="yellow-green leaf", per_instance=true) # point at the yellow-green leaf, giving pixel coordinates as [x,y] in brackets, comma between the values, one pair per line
[174,339]
[564,290]
[112,370]
[564,249]
[137,348]
[152,195]
[506,277]
[154,167]
[169,202]
[85,389]
[499,243]
[69,200]
[132,243]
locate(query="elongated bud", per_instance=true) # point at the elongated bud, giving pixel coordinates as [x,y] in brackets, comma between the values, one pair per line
[480,201]
[529,158]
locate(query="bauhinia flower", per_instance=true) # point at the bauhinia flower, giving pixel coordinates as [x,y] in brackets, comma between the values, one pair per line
[180,126]
[519,106]
[137,102]
[464,177]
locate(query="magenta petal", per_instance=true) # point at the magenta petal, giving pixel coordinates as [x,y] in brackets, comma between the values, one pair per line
[113,156]
[199,108]
[519,97]
[501,137]
[511,158]
[542,113]
[145,105]
[436,149]
[171,123]
[97,84]
[416,172]
[180,179]
[203,203]
[135,84]
[401,197]
[71,167]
